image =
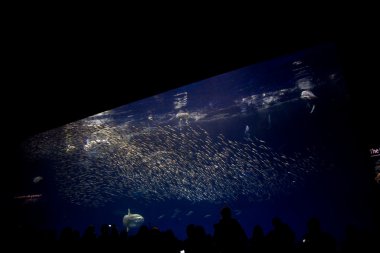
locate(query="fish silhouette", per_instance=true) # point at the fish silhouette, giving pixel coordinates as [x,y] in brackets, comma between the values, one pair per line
[132,220]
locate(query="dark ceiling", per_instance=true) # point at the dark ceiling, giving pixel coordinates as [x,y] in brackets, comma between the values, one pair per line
[59,74]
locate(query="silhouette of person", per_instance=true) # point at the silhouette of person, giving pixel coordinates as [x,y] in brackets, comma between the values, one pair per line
[316,240]
[89,234]
[281,237]
[229,236]
[353,241]
[197,241]
[257,241]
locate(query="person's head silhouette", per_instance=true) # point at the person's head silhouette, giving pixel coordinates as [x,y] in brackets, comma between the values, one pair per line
[226,213]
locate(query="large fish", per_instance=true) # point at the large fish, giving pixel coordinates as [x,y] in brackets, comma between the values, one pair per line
[132,220]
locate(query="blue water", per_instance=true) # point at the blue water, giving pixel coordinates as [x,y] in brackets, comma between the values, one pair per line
[246,139]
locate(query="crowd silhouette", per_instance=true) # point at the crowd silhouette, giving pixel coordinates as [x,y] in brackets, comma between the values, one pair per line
[228,236]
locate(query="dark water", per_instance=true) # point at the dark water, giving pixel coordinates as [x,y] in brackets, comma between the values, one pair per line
[272,139]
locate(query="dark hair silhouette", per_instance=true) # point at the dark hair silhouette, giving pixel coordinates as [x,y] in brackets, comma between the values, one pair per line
[281,237]
[229,236]
[316,240]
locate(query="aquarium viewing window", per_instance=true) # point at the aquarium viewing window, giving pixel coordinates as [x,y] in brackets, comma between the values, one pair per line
[268,140]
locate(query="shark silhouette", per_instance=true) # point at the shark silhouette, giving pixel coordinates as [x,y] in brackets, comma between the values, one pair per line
[132,220]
